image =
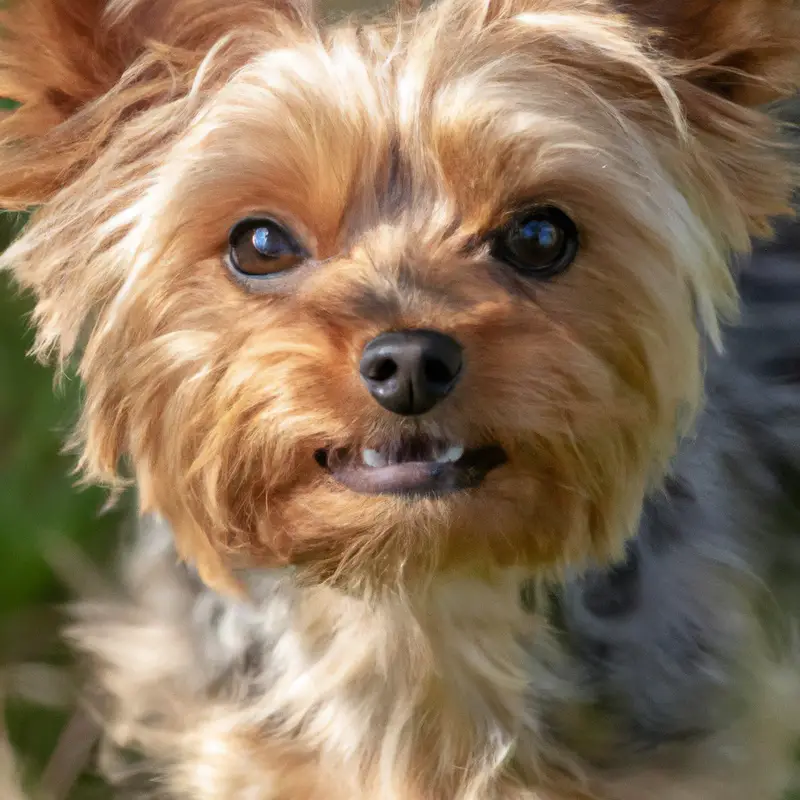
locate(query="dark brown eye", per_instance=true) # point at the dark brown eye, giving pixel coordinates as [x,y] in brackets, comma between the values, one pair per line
[261,248]
[541,242]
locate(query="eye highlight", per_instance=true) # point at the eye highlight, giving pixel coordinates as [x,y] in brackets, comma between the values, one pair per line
[539,242]
[260,248]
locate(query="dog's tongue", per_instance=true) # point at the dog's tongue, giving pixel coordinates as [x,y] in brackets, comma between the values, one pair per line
[409,477]
[423,476]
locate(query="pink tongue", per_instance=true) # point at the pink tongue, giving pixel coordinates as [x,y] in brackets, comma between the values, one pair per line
[395,478]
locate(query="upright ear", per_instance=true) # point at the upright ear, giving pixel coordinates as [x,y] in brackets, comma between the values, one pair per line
[728,59]
[80,68]
[747,51]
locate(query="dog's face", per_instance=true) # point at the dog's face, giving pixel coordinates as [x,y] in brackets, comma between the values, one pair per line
[407,295]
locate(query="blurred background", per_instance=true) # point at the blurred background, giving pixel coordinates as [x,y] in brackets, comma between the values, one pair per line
[50,532]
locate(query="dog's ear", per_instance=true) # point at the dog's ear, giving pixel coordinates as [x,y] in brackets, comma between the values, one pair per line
[727,61]
[747,51]
[76,68]
[104,89]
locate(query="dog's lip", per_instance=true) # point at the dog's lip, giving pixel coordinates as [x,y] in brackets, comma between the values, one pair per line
[418,476]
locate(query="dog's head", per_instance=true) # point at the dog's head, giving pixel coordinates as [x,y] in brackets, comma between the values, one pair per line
[396,295]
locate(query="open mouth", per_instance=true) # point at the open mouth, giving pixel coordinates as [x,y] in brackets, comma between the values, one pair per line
[415,466]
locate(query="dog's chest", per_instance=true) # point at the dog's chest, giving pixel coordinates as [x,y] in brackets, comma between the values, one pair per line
[332,697]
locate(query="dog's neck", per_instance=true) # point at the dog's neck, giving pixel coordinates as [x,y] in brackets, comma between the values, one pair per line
[433,682]
[432,692]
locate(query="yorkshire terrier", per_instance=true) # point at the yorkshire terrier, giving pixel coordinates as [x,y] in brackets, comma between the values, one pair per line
[396,325]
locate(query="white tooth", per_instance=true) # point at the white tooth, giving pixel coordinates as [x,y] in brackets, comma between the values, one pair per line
[453,454]
[372,458]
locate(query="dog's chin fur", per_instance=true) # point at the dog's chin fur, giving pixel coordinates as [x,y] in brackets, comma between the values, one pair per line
[392,659]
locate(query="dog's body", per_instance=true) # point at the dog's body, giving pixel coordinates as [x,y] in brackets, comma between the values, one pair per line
[397,326]
[673,676]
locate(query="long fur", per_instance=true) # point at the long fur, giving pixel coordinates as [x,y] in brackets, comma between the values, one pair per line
[672,674]
[337,645]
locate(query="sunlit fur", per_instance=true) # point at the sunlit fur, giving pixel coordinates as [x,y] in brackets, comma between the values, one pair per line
[147,129]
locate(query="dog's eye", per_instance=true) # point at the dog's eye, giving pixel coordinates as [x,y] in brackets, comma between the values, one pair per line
[541,242]
[259,248]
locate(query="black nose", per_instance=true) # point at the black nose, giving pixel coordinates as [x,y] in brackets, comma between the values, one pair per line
[409,372]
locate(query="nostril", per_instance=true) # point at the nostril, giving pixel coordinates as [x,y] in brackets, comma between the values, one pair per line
[437,372]
[382,370]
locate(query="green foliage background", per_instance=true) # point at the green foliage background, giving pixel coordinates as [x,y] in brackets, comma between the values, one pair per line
[41,511]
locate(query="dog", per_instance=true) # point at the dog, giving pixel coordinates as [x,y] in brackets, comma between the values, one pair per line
[399,327]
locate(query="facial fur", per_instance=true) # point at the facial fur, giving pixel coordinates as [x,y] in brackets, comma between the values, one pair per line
[393,151]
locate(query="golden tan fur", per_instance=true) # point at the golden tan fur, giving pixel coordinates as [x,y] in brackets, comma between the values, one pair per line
[148,128]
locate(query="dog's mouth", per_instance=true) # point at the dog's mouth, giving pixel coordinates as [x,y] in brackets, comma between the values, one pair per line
[412,466]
